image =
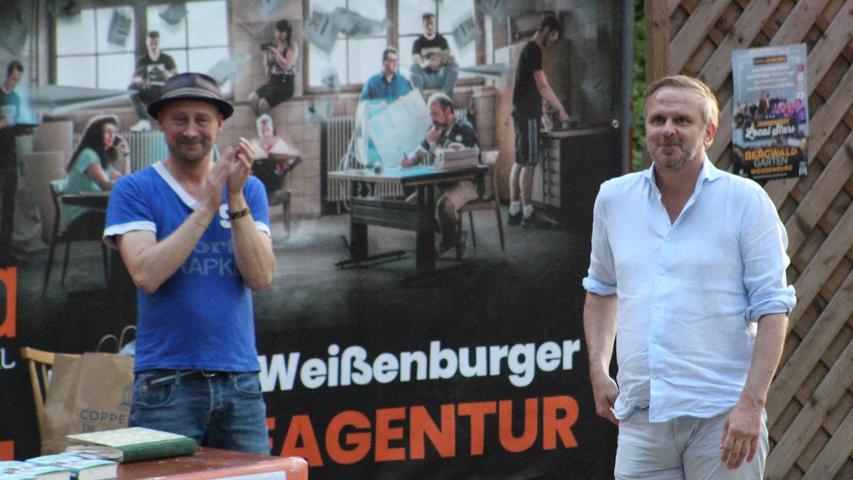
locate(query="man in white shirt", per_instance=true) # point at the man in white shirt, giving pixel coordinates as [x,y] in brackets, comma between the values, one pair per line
[687,272]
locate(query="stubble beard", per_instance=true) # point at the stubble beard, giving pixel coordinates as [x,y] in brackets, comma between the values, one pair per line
[675,164]
[190,158]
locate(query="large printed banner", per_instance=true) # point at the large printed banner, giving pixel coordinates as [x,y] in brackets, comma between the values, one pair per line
[770,123]
[381,377]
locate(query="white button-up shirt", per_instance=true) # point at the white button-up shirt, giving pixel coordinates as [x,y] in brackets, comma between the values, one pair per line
[689,292]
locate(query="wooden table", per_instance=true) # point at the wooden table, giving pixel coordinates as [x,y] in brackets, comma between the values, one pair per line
[210,463]
[96,200]
[417,217]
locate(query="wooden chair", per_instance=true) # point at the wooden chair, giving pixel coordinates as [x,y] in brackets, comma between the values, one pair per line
[85,228]
[492,202]
[38,363]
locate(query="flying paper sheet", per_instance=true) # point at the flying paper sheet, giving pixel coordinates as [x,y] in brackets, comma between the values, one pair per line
[493,69]
[494,8]
[355,25]
[226,68]
[174,14]
[13,34]
[321,31]
[466,32]
[119,29]
[391,129]
[319,112]
[330,79]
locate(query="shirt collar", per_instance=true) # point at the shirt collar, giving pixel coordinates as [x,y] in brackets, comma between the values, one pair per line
[382,77]
[176,187]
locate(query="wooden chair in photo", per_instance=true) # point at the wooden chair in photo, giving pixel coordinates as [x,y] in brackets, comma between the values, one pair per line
[85,228]
[490,203]
[39,363]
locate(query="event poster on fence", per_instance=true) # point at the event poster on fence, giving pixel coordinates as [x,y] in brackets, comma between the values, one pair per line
[770,122]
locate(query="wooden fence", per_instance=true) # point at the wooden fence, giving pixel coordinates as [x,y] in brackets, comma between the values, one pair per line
[810,406]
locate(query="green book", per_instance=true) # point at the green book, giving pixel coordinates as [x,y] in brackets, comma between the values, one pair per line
[135,444]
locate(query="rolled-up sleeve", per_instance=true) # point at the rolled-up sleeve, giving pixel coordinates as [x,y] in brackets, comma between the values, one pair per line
[764,243]
[601,276]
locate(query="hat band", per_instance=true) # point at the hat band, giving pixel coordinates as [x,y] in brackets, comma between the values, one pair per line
[191,91]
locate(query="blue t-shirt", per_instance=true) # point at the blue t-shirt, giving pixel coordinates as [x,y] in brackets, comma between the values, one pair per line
[377,87]
[201,318]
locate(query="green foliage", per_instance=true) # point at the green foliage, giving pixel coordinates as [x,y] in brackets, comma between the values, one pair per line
[639,86]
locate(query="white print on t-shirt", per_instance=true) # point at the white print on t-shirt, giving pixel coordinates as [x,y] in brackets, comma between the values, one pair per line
[224,221]
[211,258]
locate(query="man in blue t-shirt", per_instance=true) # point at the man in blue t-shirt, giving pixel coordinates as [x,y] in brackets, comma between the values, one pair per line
[388,83]
[195,237]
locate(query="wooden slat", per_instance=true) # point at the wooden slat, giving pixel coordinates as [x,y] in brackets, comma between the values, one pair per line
[820,195]
[671,5]
[834,454]
[798,22]
[693,32]
[820,127]
[801,363]
[822,264]
[811,416]
[834,40]
[741,35]
[657,41]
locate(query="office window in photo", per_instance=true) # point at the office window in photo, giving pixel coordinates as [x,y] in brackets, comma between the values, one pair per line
[447,16]
[95,48]
[195,34]
[355,53]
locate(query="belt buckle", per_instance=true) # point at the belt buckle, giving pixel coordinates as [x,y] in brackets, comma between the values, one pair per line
[207,374]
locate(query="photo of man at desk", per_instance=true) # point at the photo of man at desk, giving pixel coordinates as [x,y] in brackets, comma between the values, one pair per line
[447,133]
[195,238]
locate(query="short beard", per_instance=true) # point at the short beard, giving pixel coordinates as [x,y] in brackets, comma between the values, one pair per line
[675,165]
[189,160]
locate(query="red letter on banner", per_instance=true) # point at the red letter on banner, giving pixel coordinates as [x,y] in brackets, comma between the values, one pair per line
[384,434]
[552,425]
[477,412]
[422,425]
[528,435]
[300,427]
[360,440]
[7,450]
[9,277]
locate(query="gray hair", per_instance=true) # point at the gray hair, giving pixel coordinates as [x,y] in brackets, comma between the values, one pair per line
[710,107]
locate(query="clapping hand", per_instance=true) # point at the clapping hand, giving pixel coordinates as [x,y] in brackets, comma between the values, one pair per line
[239,165]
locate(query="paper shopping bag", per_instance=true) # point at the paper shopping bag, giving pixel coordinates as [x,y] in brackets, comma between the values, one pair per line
[88,393]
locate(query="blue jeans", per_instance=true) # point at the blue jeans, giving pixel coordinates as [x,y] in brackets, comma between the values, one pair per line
[225,410]
[443,78]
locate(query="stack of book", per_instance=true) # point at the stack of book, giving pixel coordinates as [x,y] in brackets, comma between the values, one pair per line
[132,444]
[64,466]
[96,455]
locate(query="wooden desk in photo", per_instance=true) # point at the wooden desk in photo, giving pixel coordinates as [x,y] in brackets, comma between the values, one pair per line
[209,463]
[417,217]
[96,200]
